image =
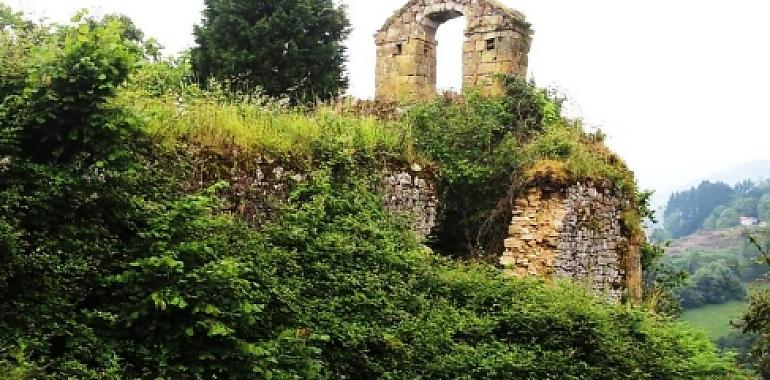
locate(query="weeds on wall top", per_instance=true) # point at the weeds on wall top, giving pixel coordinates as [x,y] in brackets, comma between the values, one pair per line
[489,149]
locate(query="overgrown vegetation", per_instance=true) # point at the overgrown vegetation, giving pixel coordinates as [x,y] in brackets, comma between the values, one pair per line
[491,149]
[717,275]
[661,281]
[756,321]
[107,270]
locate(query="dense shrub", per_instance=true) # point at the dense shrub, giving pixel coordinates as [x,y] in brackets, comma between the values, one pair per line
[107,272]
[755,321]
[477,147]
[712,284]
[740,344]
[661,281]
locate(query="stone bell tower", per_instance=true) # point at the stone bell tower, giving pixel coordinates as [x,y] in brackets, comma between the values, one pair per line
[497,41]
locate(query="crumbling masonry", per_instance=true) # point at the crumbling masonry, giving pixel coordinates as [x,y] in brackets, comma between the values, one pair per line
[497,41]
[575,232]
[570,231]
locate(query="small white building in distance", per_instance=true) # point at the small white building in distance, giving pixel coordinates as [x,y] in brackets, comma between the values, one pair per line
[749,221]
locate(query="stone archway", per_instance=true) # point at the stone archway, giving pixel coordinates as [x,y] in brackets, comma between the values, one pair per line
[497,41]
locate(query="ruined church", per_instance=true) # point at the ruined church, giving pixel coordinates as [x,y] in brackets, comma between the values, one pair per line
[570,231]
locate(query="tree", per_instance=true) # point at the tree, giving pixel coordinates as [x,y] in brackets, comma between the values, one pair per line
[728,218]
[289,48]
[745,206]
[756,320]
[718,284]
[686,211]
[763,208]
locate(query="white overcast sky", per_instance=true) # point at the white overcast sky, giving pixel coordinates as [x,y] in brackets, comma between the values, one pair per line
[679,86]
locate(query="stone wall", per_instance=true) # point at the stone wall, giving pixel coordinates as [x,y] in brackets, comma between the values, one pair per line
[497,41]
[259,187]
[577,233]
[573,232]
[412,194]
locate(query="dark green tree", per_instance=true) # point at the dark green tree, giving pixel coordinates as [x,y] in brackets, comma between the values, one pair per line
[763,208]
[287,48]
[714,283]
[756,320]
[686,211]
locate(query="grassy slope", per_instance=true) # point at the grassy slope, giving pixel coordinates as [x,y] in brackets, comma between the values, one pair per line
[268,129]
[715,319]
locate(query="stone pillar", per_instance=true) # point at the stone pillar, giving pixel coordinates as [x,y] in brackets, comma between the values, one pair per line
[489,53]
[406,68]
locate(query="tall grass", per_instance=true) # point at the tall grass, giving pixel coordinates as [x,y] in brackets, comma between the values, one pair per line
[272,130]
[715,319]
[564,148]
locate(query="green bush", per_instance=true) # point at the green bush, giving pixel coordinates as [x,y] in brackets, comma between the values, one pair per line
[755,321]
[488,149]
[714,283]
[107,272]
[477,148]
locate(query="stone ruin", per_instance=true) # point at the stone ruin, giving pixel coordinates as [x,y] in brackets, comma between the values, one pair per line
[575,232]
[568,232]
[497,41]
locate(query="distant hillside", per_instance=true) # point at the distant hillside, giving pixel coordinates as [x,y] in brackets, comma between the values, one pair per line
[707,240]
[713,206]
[755,171]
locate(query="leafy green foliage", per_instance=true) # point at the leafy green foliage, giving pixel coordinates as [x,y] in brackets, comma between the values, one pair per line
[61,111]
[757,319]
[290,48]
[69,189]
[107,272]
[661,280]
[487,149]
[208,288]
[714,283]
[741,344]
[392,311]
[717,275]
[476,144]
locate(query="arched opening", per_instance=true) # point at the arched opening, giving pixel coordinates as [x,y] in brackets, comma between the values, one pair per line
[449,55]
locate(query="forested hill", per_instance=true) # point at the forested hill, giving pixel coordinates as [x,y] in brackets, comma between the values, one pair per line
[715,205]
